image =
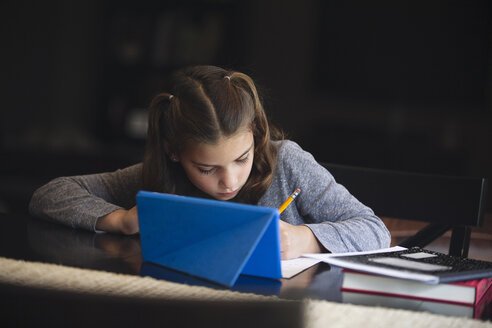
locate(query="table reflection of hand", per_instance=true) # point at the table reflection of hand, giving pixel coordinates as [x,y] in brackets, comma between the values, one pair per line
[318,282]
[125,248]
[55,243]
[297,285]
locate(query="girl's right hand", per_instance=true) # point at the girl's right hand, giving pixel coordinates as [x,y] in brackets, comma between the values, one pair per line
[120,221]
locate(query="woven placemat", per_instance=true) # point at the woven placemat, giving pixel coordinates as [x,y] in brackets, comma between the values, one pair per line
[316,313]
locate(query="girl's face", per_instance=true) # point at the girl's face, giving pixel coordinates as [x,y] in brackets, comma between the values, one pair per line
[220,170]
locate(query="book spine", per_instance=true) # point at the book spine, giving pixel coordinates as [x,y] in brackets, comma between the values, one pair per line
[483,309]
[482,288]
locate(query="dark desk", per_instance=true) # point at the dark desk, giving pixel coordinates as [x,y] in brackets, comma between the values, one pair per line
[31,239]
[27,238]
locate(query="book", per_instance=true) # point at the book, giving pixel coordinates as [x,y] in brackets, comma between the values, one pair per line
[481,310]
[414,264]
[467,293]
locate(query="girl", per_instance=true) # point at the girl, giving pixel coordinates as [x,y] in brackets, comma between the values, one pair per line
[210,138]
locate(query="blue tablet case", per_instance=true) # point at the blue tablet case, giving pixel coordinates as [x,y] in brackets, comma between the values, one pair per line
[211,239]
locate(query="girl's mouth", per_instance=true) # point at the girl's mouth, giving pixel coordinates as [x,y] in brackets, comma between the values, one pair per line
[228,194]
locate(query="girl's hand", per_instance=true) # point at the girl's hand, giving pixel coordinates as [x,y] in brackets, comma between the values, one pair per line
[120,221]
[297,240]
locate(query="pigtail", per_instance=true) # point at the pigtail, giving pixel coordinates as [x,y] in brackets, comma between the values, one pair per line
[156,163]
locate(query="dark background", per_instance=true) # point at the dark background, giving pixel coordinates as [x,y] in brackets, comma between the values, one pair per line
[401,85]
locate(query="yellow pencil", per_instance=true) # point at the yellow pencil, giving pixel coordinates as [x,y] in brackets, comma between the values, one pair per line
[289,200]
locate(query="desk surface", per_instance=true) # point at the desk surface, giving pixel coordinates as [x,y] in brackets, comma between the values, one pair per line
[27,238]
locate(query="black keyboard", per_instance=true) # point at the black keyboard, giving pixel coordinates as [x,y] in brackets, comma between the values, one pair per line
[455,264]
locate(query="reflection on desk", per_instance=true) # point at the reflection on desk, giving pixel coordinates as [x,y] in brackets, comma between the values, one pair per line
[319,282]
[84,249]
[32,239]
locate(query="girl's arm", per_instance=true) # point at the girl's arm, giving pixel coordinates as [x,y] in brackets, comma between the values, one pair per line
[84,201]
[335,218]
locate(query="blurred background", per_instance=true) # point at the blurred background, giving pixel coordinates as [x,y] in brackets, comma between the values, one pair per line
[403,85]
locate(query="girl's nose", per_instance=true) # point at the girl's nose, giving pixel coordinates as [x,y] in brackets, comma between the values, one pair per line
[228,180]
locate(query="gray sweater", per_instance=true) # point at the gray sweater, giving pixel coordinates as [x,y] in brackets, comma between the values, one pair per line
[339,221]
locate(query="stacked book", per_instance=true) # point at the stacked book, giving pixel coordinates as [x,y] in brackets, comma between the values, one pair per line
[469,298]
[417,279]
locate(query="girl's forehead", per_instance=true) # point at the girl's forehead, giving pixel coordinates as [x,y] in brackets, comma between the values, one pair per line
[226,148]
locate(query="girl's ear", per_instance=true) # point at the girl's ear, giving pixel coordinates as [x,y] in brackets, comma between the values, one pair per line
[170,153]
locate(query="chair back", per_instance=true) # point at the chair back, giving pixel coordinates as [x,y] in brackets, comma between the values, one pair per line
[447,202]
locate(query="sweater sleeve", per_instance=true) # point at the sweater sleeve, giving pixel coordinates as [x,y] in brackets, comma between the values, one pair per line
[79,201]
[339,221]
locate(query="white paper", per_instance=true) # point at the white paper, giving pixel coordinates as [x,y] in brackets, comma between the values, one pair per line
[323,256]
[333,260]
[418,256]
[294,266]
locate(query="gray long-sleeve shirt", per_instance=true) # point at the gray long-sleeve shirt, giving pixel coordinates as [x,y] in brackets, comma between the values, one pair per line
[339,221]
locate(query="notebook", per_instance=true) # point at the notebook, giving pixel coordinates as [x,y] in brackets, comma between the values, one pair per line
[210,239]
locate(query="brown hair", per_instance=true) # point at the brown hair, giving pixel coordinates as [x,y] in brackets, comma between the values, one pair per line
[207,103]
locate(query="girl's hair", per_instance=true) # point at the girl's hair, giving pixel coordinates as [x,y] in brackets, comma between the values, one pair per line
[206,104]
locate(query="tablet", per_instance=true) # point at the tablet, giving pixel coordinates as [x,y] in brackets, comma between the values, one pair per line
[210,239]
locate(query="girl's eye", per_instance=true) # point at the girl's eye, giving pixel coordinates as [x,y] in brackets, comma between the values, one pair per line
[243,160]
[206,171]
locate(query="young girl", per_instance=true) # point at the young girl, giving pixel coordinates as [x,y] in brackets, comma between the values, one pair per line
[210,138]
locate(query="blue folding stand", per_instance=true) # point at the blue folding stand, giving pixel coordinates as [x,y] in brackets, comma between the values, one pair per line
[211,239]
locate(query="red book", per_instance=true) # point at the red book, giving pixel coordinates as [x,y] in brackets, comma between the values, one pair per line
[468,293]
[482,310]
